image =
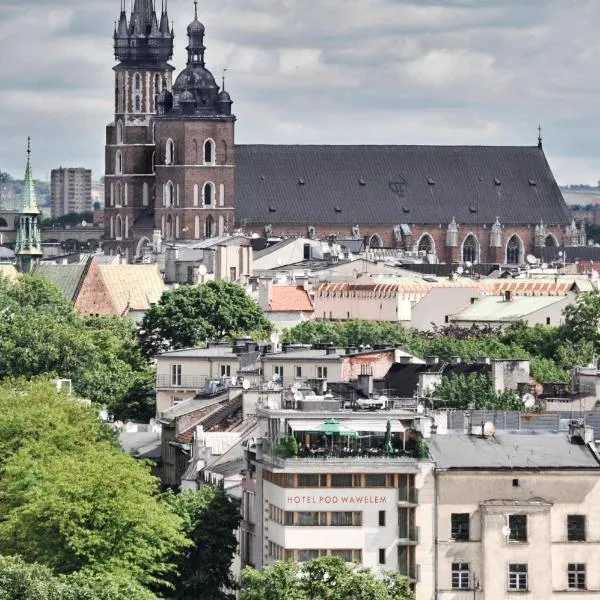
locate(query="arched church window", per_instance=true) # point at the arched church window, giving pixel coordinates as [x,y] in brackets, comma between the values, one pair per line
[550,241]
[157,90]
[137,82]
[120,132]
[469,249]
[169,152]
[209,227]
[169,228]
[3,222]
[169,194]
[376,241]
[208,194]
[119,163]
[118,227]
[209,152]
[138,103]
[119,194]
[514,250]
[426,244]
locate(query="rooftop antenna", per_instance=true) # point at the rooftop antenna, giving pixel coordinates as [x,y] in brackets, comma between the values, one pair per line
[224,71]
[540,135]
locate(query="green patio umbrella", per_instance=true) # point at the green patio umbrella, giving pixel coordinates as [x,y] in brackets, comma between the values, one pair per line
[334,427]
[388,448]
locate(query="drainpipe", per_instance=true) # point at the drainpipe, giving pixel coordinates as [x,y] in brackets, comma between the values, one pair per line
[436,492]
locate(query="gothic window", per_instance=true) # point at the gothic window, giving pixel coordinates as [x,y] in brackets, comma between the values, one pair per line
[426,244]
[375,241]
[138,103]
[169,228]
[119,194]
[209,152]
[118,227]
[118,163]
[170,152]
[209,227]
[119,132]
[169,194]
[138,82]
[469,249]
[208,194]
[111,201]
[550,241]
[514,251]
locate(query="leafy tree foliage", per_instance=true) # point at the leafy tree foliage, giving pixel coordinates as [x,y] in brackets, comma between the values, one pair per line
[327,578]
[190,315]
[210,521]
[69,219]
[71,499]
[42,334]
[582,319]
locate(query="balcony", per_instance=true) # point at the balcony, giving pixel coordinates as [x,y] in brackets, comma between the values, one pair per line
[408,535]
[410,496]
[185,382]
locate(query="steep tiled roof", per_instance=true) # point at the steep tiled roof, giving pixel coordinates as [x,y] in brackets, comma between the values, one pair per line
[289,298]
[65,277]
[396,184]
[133,286]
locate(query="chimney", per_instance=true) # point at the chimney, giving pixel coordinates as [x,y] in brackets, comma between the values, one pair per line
[432,360]
[455,360]
[473,300]
[365,384]
[405,360]
[483,360]
[508,296]
[331,350]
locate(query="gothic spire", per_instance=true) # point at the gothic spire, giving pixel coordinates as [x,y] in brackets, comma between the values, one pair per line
[29,203]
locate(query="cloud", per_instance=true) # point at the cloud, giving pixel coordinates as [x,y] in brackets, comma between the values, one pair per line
[328,71]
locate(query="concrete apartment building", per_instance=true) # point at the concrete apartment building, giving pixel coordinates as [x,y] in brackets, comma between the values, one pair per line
[71,191]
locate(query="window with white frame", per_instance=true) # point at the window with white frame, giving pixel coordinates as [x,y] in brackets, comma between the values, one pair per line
[225,370]
[176,375]
[209,152]
[518,528]
[517,577]
[321,372]
[460,576]
[576,576]
[298,371]
[278,370]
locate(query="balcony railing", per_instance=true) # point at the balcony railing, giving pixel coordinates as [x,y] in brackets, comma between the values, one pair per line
[409,535]
[185,382]
[410,496]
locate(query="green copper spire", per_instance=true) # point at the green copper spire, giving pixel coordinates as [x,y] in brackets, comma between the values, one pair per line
[28,242]
[29,203]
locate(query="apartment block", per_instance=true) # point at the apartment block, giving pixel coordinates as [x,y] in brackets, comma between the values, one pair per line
[71,191]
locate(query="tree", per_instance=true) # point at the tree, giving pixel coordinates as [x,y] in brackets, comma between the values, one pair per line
[327,578]
[582,319]
[71,499]
[190,315]
[210,521]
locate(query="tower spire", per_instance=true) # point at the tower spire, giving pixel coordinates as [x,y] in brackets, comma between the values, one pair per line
[29,196]
[540,136]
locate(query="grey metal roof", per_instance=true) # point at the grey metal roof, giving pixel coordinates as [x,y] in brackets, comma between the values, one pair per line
[212,352]
[509,451]
[396,184]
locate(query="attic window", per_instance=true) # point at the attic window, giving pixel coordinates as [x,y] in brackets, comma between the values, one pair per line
[301,181]
[532,182]
[405,209]
[497,181]
[472,209]
[263,178]
[338,209]
[272,208]
[430,181]
[362,182]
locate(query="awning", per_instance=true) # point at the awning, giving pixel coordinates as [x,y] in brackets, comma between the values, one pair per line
[360,425]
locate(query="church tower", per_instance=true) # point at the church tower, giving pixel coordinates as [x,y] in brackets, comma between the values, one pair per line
[195,151]
[28,244]
[143,45]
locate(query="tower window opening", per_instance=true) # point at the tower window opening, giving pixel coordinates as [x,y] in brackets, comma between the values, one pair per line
[208,195]
[209,152]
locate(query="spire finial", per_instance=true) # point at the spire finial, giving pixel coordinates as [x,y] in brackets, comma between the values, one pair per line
[196,9]
[540,135]
[224,71]
[28,146]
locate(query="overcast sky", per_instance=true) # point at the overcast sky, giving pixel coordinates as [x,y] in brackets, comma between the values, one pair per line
[323,71]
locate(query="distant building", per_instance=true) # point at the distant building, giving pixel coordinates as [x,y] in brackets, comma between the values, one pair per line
[71,191]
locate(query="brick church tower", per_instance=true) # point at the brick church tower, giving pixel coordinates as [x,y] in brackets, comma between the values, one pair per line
[143,46]
[194,132]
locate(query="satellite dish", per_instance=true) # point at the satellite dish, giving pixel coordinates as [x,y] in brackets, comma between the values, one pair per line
[460,270]
[560,253]
[202,270]
[275,338]
[506,531]
[298,396]
[295,387]
[528,400]
[246,384]
[84,223]
[531,259]
[489,429]
[544,266]
[420,409]
[234,381]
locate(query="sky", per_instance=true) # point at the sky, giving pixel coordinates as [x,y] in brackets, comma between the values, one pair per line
[482,72]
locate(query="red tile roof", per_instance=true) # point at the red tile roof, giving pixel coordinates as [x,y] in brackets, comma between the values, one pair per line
[289,298]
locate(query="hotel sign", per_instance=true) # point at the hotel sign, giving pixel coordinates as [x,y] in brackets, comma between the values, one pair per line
[346,499]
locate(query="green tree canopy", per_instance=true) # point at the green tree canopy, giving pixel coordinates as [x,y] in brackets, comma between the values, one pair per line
[210,521]
[190,315]
[327,578]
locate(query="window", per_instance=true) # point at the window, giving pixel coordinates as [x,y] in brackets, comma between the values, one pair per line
[304,555]
[232,273]
[460,527]
[209,152]
[382,518]
[382,556]
[169,194]
[306,251]
[118,163]
[513,251]
[225,370]
[298,372]
[426,244]
[278,370]
[341,480]
[515,483]
[576,576]
[342,519]
[308,480]
[469,250]
[170,152]
[209,227]
[460,576]
[373,480]
[345,555]
[518,528]
[576,528]
[517,577]
[207,194]
[308,519]
[175,374]
[119,132]
[321,372]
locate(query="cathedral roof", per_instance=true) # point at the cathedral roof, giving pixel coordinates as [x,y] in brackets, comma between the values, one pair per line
[346,185]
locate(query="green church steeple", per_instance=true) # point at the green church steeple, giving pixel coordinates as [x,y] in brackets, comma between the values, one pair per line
[28,244]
